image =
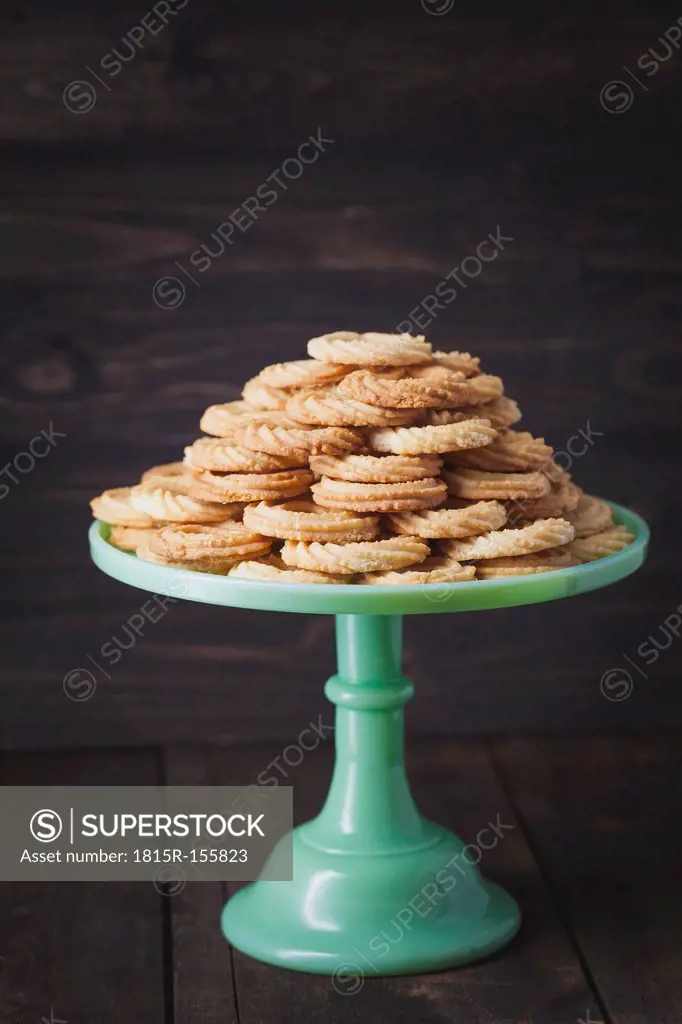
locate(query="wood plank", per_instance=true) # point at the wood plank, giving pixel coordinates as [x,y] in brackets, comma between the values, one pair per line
[603,816]
[203,983]
[537,977]
[82,951]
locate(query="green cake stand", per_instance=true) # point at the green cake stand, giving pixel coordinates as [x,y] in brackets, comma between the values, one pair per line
[369,860]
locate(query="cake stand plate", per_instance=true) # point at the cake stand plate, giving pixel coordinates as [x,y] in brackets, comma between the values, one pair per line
[377,888]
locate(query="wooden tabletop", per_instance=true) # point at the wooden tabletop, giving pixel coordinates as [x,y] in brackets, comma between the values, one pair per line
[593,859]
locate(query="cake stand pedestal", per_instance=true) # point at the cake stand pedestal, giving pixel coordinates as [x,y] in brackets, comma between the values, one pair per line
[377,888]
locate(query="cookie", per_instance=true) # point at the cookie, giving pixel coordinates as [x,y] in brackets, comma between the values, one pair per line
[115,507]
[225,420]
[524,565]
[228,543]
[600,545]
[476,484]
[329,408]
[236,487]
[370,349]
[431,570]
[512,451]
[474,433]
[538,536]
[502,412]
[263,396]
[591,515]
[301,373]
[163,471]
[304,520]
[273,574]
[213,566]
[344,494]
[370,556]
[460,362]
[477,517]
[561,498]
[299,442]
[129,538]
[376,469]
[173,501]
[222,456]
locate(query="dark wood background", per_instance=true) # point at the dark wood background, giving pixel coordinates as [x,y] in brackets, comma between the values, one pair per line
[444,127]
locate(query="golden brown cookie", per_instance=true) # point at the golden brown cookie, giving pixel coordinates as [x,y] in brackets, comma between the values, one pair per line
[227,543]
[474,433]
[129,538]
[460,362]
[263,396]
[166,470]
[329,408]
[591,515]
[461,390]
[273,574]
[236,487]
[223,456]
[600,545]
[376,469]
[524,565]
[172,500]
[304,520]
[476,484]
[208,565]
[474,518]
[345,494]
[424,388]
[501,413]
[115,507]
[370,349]
[371,556]
[225,420]
[431,570]
[299,442]
[537,536]
[561,497]
[301,373]
[512,451]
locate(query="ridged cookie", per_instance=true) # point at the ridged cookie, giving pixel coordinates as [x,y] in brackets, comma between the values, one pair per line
[115,507]
[538,536]
[477,517]
[512,451]
[370,349]
[376,469]
[371,556]
[476,484]
[304,520]
[329,408]
[235,487]
[299,442]
[474,433]
[223,456]
[344,494]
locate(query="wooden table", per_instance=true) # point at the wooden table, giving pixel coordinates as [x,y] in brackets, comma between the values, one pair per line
[593,857]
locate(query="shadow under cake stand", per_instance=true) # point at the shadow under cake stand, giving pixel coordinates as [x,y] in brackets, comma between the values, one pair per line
[369,854]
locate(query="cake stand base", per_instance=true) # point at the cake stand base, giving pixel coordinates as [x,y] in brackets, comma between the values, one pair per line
[377,888]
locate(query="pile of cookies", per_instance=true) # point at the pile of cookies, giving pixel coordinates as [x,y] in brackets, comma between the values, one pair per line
[374,461]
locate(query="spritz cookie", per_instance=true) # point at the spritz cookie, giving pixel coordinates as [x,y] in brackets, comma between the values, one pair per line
[501,413]
[172,500]
[431,570]
[301,373]
[210,565]
[225,420]
[600,545]
[270,573]
[129,538]
[474,518]
[299,442]
[476,484]
[561,497]
[228,543]
[474,433]
[512,451]
[346,494]
[524,565]
[371,556]
[376,469]
[222,456]
[370,349]
[537,536]
[263,396]
[460,362]
[304,520]
[461,390]
[426,387]
[165,470]
[116,508]
[591,515]
[236,487]
[330,408]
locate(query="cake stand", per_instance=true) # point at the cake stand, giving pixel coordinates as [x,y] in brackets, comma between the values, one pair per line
[370,867]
